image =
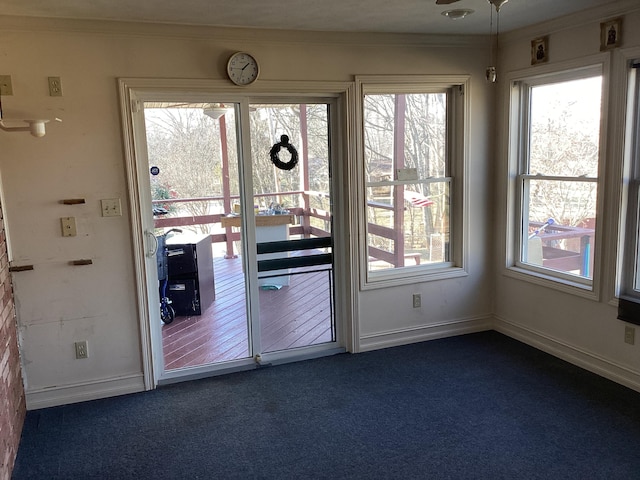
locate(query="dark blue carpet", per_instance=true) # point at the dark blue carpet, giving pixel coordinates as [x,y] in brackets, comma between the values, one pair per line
[479,406]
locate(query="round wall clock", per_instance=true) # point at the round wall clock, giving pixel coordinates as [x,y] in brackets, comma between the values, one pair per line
[242,68]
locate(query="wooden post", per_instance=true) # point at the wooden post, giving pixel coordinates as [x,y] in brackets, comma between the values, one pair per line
[304,170]
[226,188]
[398,191]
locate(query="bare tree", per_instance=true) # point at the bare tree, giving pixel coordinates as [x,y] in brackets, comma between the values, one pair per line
[563,144]
[184,144]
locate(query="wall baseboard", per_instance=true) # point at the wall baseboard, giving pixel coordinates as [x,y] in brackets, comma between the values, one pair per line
[82,392]
[404,336]
[582,358]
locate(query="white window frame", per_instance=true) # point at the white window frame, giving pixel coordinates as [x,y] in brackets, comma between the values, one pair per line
[457,158]
[596,65]
[628,265]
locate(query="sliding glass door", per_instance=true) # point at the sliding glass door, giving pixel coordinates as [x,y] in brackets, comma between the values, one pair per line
[238,217]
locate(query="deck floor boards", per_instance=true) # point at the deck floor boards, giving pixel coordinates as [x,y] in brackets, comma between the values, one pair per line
[295,316]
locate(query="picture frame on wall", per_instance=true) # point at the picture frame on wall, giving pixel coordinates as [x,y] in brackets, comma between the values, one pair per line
[539,50]
[610,33]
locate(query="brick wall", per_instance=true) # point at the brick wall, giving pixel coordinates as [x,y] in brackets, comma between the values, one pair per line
[12,399]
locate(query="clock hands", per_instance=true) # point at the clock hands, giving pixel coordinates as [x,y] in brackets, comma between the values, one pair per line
[240,68]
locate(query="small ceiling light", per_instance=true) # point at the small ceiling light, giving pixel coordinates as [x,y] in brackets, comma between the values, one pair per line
[497,4]
[457,14]
[215,111]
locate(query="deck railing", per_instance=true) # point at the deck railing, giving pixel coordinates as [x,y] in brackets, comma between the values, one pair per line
[558,259]
[304,227]
[565,248]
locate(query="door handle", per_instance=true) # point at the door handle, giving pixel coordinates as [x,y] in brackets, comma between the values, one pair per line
[154,249]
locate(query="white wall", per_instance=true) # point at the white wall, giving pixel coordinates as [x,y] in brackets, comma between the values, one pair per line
[581,330]
[83,158]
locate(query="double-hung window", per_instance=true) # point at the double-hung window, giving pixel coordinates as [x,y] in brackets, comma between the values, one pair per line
[557,122]
[412,144]
[629,258]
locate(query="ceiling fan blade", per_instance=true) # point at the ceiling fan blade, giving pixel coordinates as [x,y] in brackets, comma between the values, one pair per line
[445,2]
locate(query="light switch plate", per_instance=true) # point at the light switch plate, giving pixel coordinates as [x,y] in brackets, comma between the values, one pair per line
[111,207]
[68,225]
[5,85]
[629,335]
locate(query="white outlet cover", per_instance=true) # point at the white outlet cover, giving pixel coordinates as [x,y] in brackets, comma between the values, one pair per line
[68,225]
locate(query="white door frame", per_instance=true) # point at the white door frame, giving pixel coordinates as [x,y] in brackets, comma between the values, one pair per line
[132,92]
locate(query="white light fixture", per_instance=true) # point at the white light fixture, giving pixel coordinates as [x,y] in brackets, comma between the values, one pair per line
[457,14]
[35,127]
[215,111]
[491,72]
[497,3]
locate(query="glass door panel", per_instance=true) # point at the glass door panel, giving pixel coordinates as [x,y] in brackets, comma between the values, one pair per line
[293,224]
[195,184]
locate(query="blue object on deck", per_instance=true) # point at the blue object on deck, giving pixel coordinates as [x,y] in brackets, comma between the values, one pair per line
[585,260]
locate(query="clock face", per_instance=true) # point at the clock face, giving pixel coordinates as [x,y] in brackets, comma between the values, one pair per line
[242,68]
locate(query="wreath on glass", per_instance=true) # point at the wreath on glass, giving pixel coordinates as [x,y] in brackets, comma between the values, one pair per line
[275,154]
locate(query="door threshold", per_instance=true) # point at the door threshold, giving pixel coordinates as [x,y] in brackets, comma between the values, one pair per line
[298,355]
[266,360]
[205,371]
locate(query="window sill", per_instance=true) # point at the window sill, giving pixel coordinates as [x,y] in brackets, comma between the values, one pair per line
[408,277]
[560,284]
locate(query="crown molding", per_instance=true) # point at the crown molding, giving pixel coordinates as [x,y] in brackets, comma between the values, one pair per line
[10,23]
[579,19]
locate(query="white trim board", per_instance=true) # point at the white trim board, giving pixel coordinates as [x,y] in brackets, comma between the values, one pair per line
[67,394]
[82,392]
[405,336]
[589,361]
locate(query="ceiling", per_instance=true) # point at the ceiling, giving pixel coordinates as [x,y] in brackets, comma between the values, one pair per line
[392,16]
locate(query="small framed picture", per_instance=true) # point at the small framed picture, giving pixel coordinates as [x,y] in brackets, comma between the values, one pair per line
[539,50]
[610,33]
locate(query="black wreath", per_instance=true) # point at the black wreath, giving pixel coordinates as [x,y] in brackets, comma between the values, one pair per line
[275,154]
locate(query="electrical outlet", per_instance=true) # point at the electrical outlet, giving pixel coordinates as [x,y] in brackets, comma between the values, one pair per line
[55,87]
[82,349]
[629,335]
[417,300]
[5,85]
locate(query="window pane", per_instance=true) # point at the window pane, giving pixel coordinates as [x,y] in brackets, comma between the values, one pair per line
[311,121]
[565,128]
[408,225]
[417,123]
[560,228]
[185,146]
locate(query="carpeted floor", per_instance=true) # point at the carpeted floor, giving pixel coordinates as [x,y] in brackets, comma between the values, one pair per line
[479,406]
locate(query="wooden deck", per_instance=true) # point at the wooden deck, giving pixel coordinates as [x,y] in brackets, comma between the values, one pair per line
[294,316]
